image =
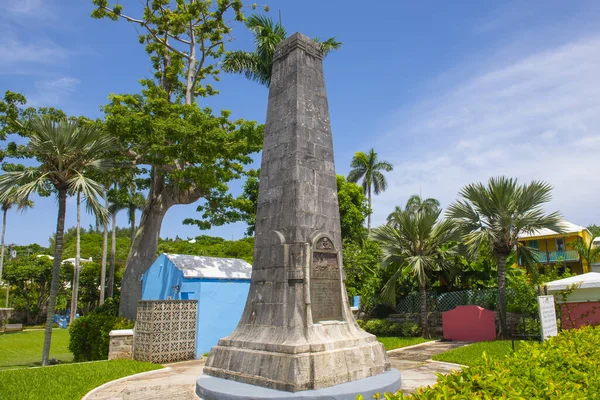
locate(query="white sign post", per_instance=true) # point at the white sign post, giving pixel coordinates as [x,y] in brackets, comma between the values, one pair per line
[547,316]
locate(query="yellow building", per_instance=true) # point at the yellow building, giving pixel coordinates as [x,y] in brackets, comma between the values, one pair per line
[553,247]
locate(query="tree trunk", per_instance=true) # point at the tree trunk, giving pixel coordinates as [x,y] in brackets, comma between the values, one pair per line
[4,211]
[501,261]
[77,269]
[60,230]
[370,212]
[143,250]
[104,253]
[132,221]
[423,293]
[113,251]
[141,256]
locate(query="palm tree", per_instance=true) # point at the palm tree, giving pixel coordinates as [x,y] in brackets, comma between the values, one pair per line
[587,251]
[257,65]
[416,204]
[104,253]
[11,201]
[135,202]
[495,215]
[368,168]
[65,150]
[77,269]
[415,244]
[123,198]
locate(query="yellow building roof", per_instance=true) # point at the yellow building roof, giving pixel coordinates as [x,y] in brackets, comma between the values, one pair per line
[568,227]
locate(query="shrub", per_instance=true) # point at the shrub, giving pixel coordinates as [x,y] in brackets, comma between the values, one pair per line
[565,367]
[382,327]
[378,327]
[361,323]
[89,338]
[411,329]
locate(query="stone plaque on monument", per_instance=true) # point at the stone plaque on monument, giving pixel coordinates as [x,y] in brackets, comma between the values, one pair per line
[325,283]
[297,332]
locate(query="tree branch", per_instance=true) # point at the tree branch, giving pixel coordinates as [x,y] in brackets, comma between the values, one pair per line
[145,25]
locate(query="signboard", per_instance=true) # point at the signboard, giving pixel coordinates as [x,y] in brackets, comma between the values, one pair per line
[13,254]
[325,283]
[547,316]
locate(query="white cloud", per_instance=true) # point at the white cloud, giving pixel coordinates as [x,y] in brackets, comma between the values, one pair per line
[29,9]
[15,53]
[53,92]
[536,118]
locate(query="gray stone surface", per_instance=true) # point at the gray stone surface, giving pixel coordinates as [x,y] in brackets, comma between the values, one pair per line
[297,332]
[211,388]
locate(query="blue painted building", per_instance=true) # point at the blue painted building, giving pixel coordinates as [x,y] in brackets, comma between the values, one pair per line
[219,284]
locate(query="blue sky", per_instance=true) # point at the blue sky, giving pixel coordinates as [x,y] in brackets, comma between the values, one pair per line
[449,92]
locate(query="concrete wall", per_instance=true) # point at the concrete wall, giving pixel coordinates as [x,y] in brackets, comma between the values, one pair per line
[220,302]
[575,315]
[159,279]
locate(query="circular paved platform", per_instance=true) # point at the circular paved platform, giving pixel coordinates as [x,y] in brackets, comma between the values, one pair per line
[211,388]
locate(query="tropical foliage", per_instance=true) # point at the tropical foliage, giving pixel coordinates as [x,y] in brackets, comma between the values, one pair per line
[416,244]
[257,65]
[495,214]
[66,151]
[369,169]
[565,367]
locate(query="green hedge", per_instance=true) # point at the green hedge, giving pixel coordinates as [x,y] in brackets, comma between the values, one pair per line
[383,327]
[89,335]
[563,367]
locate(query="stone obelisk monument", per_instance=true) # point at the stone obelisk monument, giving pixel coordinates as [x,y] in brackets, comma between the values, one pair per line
[297,332]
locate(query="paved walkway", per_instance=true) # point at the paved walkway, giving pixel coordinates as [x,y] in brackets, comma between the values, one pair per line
[416,365]
[179,382]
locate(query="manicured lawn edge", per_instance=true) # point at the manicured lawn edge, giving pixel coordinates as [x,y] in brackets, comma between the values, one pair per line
[69,381]
[94,390]
[399,349]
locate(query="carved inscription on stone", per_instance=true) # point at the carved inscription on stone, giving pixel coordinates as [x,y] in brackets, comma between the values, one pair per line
[325,287]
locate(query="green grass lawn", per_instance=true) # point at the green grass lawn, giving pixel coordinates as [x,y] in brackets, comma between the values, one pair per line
[391,343]
[24,349]
[472,354]
[65,382]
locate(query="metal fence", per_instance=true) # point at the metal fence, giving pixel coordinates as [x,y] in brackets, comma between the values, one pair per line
[440,302]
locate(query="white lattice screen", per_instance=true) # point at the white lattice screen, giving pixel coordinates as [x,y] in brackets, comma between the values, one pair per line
[165,331]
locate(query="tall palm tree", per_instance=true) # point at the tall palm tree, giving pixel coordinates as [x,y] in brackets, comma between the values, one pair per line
[415,244]
[77,269]
[257,65]
[122,198]
[104,254]
[10,202]
[368,168]
[65,150]
[135,202]
[495,214]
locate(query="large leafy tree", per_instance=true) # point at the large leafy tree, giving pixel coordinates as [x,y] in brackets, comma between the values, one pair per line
[370,169]
[354,209]
[65,150]
[495,214]
[257,65]
[415,243]
[188,152]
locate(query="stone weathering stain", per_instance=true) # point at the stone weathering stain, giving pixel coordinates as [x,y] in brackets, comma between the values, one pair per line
[297,331]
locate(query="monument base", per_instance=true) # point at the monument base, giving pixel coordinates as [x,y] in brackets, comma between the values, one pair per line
[211,388]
